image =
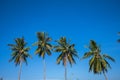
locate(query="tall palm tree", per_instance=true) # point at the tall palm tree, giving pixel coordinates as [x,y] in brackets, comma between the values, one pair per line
[68,52]
[19,53]
[43,47]
[98,62]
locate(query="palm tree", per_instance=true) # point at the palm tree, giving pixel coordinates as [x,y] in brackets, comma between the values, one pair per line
[68,52]
[43,47]
[19,53]
[98,62]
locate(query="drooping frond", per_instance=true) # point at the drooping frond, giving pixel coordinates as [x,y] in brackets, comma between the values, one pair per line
[108,65]
[91,62]
[60,57]
[108,57]
[13,56]
[71,59]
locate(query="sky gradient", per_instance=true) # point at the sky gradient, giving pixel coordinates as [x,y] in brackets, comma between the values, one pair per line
[78,20]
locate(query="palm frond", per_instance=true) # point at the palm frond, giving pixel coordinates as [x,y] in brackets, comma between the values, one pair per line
[48,51]
[48,39]
[87,55]
[108,65]
[35,44]
[13,56]
[38,50]
[26,49]
[49,46]
[59,58]
[93,46]
[41,36]
[108,57]
[58,49]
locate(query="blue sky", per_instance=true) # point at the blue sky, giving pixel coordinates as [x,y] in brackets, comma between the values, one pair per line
[78,20]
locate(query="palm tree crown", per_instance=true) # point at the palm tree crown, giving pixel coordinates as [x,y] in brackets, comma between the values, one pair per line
[98,62]
[68,52]
[43,44]
[19,51]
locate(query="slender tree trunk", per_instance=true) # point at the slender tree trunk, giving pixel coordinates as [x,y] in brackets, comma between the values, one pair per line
[65,72]
[65,64]
[19,74]
[105,76]
[44,72]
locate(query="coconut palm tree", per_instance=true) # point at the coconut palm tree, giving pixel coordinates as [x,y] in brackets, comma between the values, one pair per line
[43,47]
[98,62]
[67,53]
[19,53]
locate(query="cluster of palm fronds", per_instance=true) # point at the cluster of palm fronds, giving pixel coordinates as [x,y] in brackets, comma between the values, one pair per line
[98,63]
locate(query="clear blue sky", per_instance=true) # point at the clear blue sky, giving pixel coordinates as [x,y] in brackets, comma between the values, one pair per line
[78,20]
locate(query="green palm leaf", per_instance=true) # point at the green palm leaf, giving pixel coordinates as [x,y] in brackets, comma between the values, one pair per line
[108,57]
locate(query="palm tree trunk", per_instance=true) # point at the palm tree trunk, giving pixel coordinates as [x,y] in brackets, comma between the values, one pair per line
[19,74]
[105,76]
[65,64]
[65,72]
[44,72]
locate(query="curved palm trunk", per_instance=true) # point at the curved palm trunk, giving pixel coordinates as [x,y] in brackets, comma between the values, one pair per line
[105,76]
[19,74]
[44,66]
